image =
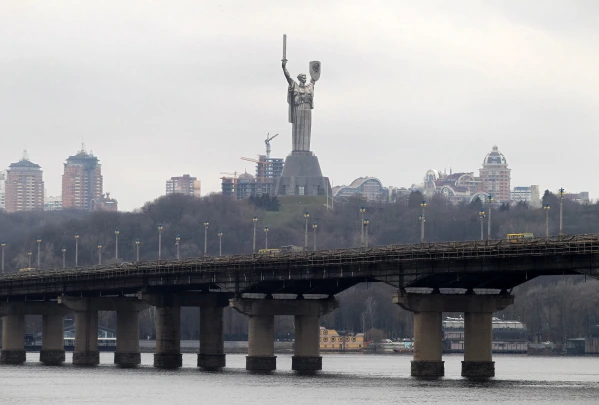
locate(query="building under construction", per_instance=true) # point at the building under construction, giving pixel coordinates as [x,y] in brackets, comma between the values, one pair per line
[244,185]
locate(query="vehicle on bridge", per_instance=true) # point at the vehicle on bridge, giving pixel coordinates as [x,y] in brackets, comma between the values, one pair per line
[518,237]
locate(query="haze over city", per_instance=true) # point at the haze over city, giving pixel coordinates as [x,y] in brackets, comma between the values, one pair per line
[157,89]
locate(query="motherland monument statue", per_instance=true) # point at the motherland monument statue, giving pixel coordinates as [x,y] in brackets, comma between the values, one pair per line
[301,172]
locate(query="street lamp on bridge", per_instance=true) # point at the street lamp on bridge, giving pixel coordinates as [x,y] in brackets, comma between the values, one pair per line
[177,240]
[306,216]
[64,251]
[206,223]
[137,243]
[481,214]
[422,220]
[220,243]
[366,222]
[314,227]
[362,211]
[3,245]
[561,208]
[159,241]
[39,244]
[116,249]
[76,249]
[490,201]
[546,207]
[99,253]
[29,254]
[266,237]
[254,220]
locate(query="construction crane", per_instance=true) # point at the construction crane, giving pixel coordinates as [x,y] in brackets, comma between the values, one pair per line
[267,142]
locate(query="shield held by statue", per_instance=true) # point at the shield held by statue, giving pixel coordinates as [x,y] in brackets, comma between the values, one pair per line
[315,70]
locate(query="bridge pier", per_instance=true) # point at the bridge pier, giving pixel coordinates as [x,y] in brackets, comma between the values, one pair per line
[52,351]
[428,309]
[86,351]
[478,337]
[13,339]
[168,335]
[127,338]
[261,331]
[212,353]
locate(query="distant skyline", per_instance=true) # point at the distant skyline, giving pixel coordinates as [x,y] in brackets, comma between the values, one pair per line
[158,89]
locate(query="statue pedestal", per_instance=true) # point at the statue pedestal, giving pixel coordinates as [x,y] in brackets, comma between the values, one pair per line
[302,176]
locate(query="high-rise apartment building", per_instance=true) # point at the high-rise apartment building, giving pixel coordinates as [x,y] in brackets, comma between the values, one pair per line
[24,189]
[495,176]
[81,181]
[185,184]
[2,189]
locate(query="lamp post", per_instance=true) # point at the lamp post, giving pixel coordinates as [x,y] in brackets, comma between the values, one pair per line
[266,237]
[422,220]
[561,209]
[29,254]
[76,249]
[206,223]
[177,240]
[362,211]
[3,245]
[159,241]
[490,201]
[220,243]
[254,220]
[64,251]
[99,254]
[39,244]
[546,207]
[306,216]
[314,227]
[481,214]
[116,249]
[137,243]
[366,222]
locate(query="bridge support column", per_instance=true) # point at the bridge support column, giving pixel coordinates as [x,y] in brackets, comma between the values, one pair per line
[86,338]
[428,345]
[168,337]
[261,344]
[52,352]
[212,353]
[13,339]
[127,339]
[478,343]
[307,313]
[478,311]
[306,356]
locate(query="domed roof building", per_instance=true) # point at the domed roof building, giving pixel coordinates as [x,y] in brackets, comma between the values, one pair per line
[495,176]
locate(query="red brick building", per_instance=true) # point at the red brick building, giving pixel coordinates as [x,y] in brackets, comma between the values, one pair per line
[81,181]
[24,186]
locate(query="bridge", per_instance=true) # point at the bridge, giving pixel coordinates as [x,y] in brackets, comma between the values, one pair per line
[471,277]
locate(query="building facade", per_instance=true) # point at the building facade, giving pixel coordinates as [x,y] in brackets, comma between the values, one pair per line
[24,189]
[527,194]
[52,203]
[104,203]
[2,189]
[185,185]
[82,181]
[331,340]
[370,188]
[495,176]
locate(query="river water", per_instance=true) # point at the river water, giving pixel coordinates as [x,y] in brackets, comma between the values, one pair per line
[347,379]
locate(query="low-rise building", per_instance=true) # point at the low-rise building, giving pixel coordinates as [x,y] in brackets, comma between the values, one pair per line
[331,340]
[53,203]
[370,188]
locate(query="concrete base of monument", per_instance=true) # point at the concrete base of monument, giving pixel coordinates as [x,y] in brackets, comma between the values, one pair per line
[170,360]
[302,176]
[86,358]
[428,369]
[478,369]
[261,363]
[211,362]
[12,357]
[52,357]
[306,363]
[127,359]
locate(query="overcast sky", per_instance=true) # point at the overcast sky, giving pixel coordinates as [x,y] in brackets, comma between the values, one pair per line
[160,88]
